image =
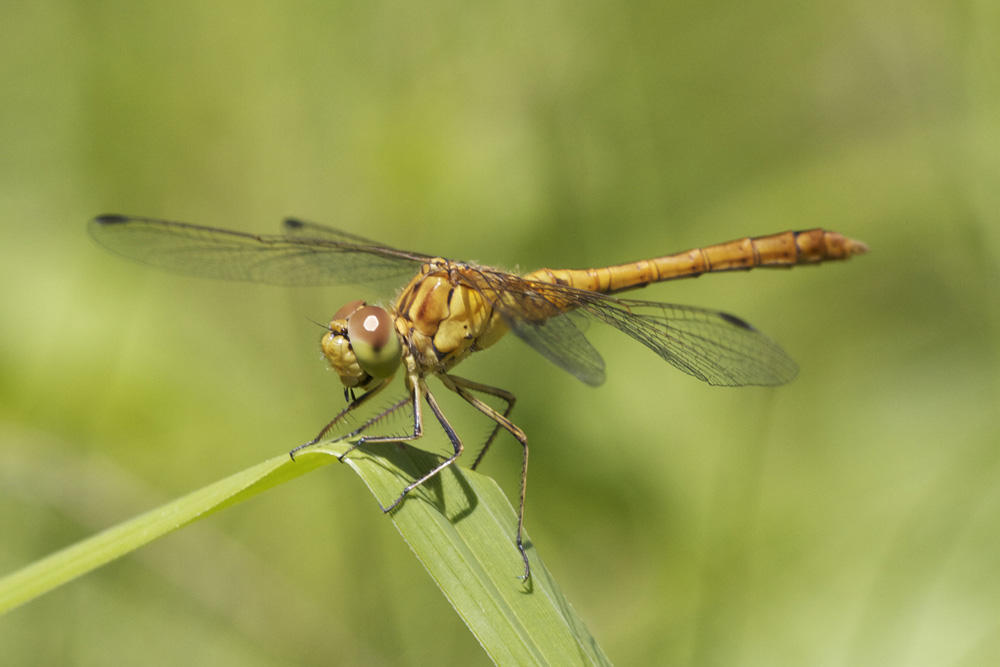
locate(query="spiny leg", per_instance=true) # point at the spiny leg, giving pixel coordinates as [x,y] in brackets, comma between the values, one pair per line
[356,403]
[418,422]
[462,387]
[417,427]
[456,443]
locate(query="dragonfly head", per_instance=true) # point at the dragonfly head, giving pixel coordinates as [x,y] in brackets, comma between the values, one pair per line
[361,345]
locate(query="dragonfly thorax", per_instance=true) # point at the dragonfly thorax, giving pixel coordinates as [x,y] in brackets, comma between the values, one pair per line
[361,345]
[445,314]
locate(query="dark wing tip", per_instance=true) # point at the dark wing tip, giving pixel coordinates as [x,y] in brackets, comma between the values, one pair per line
[111,219]
[293,223]
[736,321]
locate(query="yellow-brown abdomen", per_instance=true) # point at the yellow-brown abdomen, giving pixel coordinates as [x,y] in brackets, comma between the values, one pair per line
[776,250]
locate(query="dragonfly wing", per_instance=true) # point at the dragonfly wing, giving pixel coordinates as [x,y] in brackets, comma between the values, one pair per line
[561,341]
[713,346]
[538,320]
[304,229]
[273,259]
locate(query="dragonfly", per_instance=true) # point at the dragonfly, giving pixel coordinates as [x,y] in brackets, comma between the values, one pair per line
[450,310]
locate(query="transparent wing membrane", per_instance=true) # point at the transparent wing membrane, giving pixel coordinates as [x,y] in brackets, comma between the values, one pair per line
[310,230]
[713,346]
[288,260]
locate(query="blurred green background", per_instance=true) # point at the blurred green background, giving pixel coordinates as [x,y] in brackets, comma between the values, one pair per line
[849,518]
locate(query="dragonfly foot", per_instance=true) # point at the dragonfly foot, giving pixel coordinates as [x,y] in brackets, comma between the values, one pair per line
[395,503]
[312,442]
[527,568]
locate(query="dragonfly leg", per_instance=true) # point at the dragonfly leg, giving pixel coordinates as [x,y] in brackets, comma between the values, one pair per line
[463,388]
[406,437]
[456,443]
[505,396]
[358,402]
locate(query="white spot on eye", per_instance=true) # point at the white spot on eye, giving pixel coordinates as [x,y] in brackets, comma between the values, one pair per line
[371,323]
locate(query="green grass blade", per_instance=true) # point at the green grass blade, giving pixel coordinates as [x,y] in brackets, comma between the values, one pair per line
[78,559]
[459,524]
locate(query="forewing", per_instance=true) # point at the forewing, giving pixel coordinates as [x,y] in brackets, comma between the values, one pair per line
[302,229]
[273,259]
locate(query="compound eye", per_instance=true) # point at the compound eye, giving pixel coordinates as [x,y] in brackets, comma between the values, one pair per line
[374,341]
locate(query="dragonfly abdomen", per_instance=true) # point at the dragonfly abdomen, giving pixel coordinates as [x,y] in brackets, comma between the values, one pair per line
[776,250]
